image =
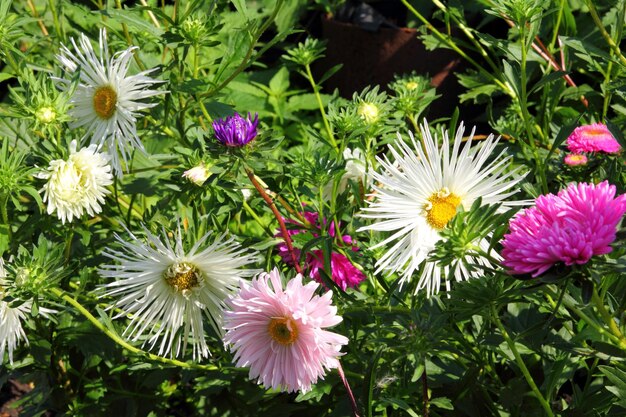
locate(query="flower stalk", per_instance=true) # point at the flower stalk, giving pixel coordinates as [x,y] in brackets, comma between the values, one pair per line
[520,362]
[283,229]
[123,343]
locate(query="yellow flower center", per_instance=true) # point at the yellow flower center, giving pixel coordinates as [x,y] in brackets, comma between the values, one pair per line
[104,101]
[182,276]
[283,330]
[411,85]
[441,208]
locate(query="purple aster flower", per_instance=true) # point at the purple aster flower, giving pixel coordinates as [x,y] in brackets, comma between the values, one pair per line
[235,130]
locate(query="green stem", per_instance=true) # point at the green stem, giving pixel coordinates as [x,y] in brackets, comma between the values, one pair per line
[55,20]
[523,100]
[596,19]
[520,362]
[557,25]
[4,202]
[458,50]
[608,318]
[123,343]
[256,217]
[469,35]
[318,97]
[571,305]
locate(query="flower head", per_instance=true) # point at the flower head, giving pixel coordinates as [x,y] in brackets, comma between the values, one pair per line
[595,137]
[198,174]
[419,194]
[575,159]
[11,318]
[236,131]
[106,100]
[167,290]
[343,272]
[11,331]
[78,184]
[280,333]
[571,227]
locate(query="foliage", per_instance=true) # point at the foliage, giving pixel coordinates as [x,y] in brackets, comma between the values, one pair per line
[498,345]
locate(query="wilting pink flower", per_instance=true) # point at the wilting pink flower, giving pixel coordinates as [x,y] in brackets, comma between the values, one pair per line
[235,131]
[344,273]
[592,138]
[570,227]
[279,333]
[575,159]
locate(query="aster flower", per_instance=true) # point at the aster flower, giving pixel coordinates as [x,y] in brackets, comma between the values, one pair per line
[78,184]
[235,131]
[343,272]
[11,318]
[575,159]
[106,100]
[11,331]
[571,227]
[595,137]
[356,170]
[419,193]
[166,290]
[280,333]
[198,174]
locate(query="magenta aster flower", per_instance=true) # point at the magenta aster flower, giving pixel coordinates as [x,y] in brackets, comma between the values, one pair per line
[571,227]
[592,138]
[236,131]
[575,159]
[344,273]
[279,333]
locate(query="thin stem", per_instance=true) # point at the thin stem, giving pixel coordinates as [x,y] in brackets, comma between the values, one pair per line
[33,10]
[571,305]
[425,391]
[279,218]
[123,343]
[520,362]
[256,217]
[608,318]
[596,19]
[152,17]
[523,100]
[458,50]
[55,20]
[4,202]
[342,375]
[318,97]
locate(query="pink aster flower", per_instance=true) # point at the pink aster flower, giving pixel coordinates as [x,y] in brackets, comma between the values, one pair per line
[592,138]
[344,273]
[574,159]
[280,333]
[571,227]
[235,131]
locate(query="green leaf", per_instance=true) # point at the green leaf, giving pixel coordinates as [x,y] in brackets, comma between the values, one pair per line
[618,378]
[132,18]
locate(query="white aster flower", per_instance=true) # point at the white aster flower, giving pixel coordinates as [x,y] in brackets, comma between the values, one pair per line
[78,184]
[356,170]
[166,290]
[106,99]
[418,194]
[11,318]
[198,174]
